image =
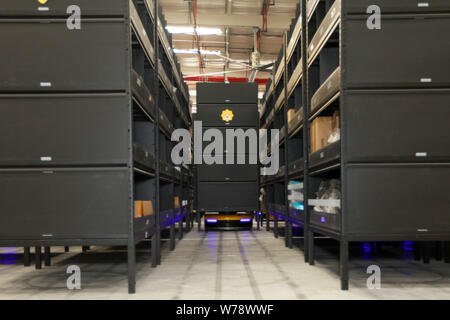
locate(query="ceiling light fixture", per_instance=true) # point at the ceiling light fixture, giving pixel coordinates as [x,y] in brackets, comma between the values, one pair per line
[195,51]
[201,31]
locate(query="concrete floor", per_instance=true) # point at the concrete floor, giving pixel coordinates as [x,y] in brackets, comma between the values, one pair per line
[225,265]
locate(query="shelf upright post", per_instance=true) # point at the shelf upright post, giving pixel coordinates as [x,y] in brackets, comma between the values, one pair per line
[38,258]
[156,254]
[172,222]
[181,196]
[131,243]
[417,251]
[306,139]
[343,263]
[344,243]
[47,257]
[26,256]
[275,226]
[288,227]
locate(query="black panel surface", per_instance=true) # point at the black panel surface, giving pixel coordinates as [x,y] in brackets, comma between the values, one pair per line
[247,143]
[406,52]
[64,204]
[296,166]
[325,156]
[227,93]
[398,199]
[63,130]
[326,91]
[59,7]
[325,220]
[229,196]
[91,59]
[143,158]
[244,115]
[142,94]
[410,126]
[396,6]
[226,173]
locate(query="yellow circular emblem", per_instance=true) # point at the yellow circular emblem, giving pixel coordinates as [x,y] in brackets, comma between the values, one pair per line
[227,115]
[43,1]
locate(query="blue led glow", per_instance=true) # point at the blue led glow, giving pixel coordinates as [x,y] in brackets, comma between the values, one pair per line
[322,219]
[245,220]
[211,220]
[9,257]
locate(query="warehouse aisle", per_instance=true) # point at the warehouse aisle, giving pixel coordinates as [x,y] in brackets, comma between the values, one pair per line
[220,265]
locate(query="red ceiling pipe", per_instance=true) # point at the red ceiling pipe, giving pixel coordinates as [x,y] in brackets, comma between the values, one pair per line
[265,12]
[222,79]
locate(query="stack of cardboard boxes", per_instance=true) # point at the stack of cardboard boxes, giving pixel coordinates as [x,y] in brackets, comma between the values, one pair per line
[143,208]
[176,202]
[321,129]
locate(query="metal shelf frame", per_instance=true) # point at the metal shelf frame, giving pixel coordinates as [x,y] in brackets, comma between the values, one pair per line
[328,87]
[142,174]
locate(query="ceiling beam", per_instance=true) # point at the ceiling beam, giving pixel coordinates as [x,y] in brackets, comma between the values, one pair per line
[228,20]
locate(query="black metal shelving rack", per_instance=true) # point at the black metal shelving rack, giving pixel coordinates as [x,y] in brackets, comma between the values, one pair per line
[86,121]
[286,91]
[392,93]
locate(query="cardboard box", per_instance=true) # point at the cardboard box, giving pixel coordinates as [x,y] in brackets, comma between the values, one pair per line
[336,122]
[138,209]
[147,208]
[290,114]
[321,129]
[176,202]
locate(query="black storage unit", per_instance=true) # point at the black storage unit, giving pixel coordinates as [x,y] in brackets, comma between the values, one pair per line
[286,95]
[86,118]
[228,187]
[391,90]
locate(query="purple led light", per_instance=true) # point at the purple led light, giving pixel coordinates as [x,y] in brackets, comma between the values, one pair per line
[211,220]
[322,219]
[245,220]
[259,213]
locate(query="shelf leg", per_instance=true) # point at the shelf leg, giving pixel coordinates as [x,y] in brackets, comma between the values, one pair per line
[37,258]
[47,257]
[438,253]
[158,243]
[26,257]
[275,227]
[311,247]
[131,267]
[267,222]
[447,251]
[291,233]
[180,229]
[66,249]
[306,243]
[154,250]
[257,222]
[426,252]
[417,250]
[188,223]
[343,264]
[199,221]
[172,237]
[286,233]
